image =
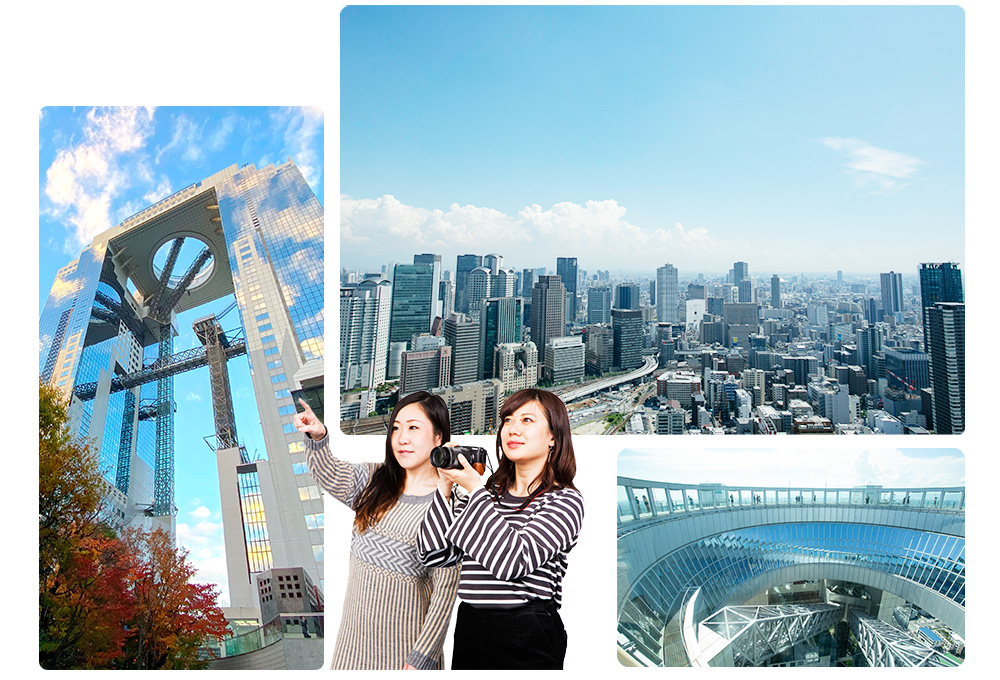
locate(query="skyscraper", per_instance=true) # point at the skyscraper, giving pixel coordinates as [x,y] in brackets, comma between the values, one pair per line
[776,291]
[627,296]
[464,265]
[939,282]
[666,294]
[741,272]
[364,336]
[548,311]
[499,323]
[626,326]
[413,293]
[567,270]
[93,332]
[946,326]
[892,292]
[435,262]
[480,288]
[599,305]
[462,335]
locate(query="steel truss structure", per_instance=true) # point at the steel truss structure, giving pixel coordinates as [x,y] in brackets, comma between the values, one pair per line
[885,645]
[759,632]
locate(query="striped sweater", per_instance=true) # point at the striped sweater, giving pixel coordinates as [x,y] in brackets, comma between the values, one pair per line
[508,556]
[396,609]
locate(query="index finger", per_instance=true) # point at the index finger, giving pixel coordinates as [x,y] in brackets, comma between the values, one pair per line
[305,405]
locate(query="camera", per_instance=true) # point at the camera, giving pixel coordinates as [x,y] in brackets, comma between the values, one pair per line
[447,457]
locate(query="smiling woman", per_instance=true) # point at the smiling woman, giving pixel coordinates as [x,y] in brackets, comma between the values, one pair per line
[396,610]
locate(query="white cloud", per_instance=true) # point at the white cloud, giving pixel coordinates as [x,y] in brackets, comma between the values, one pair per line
[84,178]
[162,190]
[205,543]
[187,137]
[191,396]
[395,230]
[302,129]
[201,512]
[872,168]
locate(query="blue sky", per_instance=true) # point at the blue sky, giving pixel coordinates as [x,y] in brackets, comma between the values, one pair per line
[793,138]
[97,166]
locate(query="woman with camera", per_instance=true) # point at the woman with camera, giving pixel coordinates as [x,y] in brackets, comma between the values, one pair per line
[512,537]
[396,610]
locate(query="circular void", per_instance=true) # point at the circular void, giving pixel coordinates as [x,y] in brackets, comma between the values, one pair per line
[192,250]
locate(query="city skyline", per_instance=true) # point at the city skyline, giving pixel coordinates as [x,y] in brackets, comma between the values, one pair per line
[688,135]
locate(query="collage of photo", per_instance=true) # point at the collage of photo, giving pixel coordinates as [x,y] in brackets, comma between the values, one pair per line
[704,263]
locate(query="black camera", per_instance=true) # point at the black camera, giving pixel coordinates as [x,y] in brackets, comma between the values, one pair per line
[447,457]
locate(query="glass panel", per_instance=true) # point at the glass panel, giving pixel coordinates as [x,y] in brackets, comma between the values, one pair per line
[624,508]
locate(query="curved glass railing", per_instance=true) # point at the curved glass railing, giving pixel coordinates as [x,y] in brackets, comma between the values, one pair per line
[643,500]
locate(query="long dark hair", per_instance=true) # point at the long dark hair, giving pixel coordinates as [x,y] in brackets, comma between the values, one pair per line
[560,467]
[387,480]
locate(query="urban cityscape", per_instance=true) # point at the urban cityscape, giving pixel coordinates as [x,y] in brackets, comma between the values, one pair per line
[762,572]
[661,353]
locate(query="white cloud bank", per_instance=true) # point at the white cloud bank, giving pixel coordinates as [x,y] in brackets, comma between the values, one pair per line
[876,170]
[378,229]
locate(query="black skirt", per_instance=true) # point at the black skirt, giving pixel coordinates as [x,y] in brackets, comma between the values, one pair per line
[531,636]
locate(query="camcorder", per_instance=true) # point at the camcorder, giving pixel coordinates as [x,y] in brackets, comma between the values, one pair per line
[447,457]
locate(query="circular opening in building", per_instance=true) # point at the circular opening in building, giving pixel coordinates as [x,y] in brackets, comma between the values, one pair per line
[192,252]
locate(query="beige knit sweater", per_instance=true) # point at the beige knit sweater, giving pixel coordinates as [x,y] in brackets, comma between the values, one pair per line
[396,610]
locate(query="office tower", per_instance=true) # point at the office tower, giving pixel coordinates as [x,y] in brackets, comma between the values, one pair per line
[463,266]
[502,284]
[869,340]
[446,294]
[776,291]
[462,334]
[741,272]
[869,308]
[816,315]
[412,301]
[435,262]
[745,291]
[480,288]
[670,420]
[626,326]
[548,311]
[564,359]
[364,336]
[840,276]
[892,293]
[425,369]
[527,282]
[907,369]
[599,305]
[499,322]
[253,233]
[515,364]
[493,262]
[946,336]
[666,294]
[599,346]
[939,282]
[627,296]
[652,293]
[567,270]
[473,408]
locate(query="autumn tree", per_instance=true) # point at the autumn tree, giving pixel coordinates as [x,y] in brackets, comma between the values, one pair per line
[82,590]
[173,617]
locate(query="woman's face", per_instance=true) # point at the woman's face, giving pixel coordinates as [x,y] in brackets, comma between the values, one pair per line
[413,437]
[525,435]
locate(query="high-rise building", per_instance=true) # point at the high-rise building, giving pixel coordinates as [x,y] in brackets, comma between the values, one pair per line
[946,326]
[906,369]
[446,294]
[892,292]
[413,294]
[480,288]
[502,284]
[515,364]
[462,334]
[493,262]
[599,304]
[776,291]
[566,268]
[364,336]
[600,349]
[473,408]
[626,326]
[666,294]
[435,262]
[527,282]
[741,272]
[869,340]
[463,266]
[548,311]
[939,282]
[499,323]
[627,296]
[745,291]
[565,359]
[253,233]
[425,369]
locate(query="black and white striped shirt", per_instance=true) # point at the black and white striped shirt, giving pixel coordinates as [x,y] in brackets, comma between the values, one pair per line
[508,556]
